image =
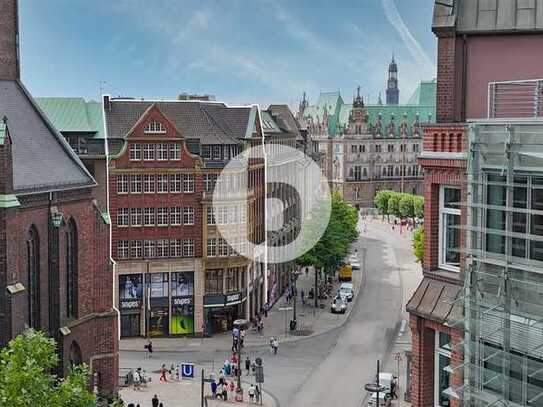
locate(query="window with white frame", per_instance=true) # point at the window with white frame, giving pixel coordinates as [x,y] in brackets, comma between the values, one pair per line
[122,184]
[162,151]
[136,184]
[222,247]
[123,217]
[210,215]
[449,228]
[122,249]
[136,249]
[175,183]
[148,152]
[442,360]
[162,216]
[162,183]
[149,249]
[175,215]
[175,151]
[209,182]
[188,215]
[148,183]
[162,247]
[222,216]
[136,217]
[211,247]
[233,212]
[188,247]
[188,183]
[155,127]
[176,248]
[135,152]
[149,217]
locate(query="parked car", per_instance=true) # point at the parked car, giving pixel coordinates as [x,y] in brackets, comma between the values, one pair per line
[338,306]
[384,400]
[355,264]
[346,291]
[345,273]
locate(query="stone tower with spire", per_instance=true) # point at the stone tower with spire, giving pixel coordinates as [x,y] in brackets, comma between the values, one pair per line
[9,40]
[393,92]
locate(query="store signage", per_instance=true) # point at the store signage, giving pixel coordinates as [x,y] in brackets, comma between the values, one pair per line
[232,298]
[181,301]
[128,304]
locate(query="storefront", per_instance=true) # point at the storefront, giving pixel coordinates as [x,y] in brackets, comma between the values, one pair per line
[222,310]
[182,304]
[159,313]
[131,304]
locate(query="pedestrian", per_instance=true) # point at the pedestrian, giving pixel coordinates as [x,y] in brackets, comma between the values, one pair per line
[225,392]
[271,345]
[241,337]
[172,371]
[261,327]
[266,310]
[251,393]
[163,374]
[154,401]
[137,380]
[248,365]
[393,388]
[149,347]
[161,405]
[275,346]
[302,294]
[177,372]
[258,394]
[232,387]
[213,388]
[219,390]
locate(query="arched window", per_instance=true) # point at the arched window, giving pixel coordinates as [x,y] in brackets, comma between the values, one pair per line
[71,269]
[33,253]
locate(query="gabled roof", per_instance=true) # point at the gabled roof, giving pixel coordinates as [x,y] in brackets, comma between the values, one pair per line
[284,120]
[211,123]
[73,114]
[42,159]
[487,16]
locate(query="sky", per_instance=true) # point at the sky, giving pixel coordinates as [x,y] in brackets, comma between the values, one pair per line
[241,51]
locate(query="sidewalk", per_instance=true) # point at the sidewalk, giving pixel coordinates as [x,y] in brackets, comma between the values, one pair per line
[185,392]
[311,322]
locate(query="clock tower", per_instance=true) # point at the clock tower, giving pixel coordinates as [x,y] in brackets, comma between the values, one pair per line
[393,92]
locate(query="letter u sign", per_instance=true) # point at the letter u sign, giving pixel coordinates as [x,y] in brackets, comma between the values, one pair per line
[187,371]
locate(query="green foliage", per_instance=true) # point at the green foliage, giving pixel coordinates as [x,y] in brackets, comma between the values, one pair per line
[330,250]
[25,380]
[381,201]
[419,206]
[394,204]
[407,206]
[418,244]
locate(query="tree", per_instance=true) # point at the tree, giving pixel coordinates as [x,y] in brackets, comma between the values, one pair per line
[407,206]
[381,201]
[418,202]
[418,244]
[25,378]
[394,204]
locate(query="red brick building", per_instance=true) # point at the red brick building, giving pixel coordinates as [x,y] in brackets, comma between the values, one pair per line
[175,274]
[55,270]
[479,43]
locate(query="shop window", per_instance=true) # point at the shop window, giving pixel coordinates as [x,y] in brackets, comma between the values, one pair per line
[130,286]
[158,285]
[232,283]
[449,228]
[214,281]
[182,284]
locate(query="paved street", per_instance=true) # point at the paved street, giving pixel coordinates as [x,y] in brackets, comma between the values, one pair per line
[328,368]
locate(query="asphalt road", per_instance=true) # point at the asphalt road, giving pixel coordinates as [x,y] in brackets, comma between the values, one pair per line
[329,369]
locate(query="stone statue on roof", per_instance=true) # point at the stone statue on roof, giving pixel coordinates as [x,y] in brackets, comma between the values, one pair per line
[391,128]
[378,127]
[404,126]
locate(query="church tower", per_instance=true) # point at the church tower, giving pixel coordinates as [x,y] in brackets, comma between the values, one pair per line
[393,92]
[9,40]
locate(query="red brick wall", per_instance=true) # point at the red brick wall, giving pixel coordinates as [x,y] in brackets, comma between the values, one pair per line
[446,49]
[9,65]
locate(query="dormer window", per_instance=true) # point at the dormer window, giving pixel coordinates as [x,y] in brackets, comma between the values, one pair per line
[155,127]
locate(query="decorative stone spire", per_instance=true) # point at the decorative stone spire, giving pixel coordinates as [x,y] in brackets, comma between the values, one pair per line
[9,40]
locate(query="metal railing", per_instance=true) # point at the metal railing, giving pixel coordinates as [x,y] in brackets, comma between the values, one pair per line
[515,99]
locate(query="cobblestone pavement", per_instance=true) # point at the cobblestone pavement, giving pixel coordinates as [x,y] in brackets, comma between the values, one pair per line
[184,393]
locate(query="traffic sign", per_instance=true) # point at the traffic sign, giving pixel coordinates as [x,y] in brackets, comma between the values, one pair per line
[187,370]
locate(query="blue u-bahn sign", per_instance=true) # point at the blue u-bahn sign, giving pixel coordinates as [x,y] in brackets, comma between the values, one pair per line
[187,370]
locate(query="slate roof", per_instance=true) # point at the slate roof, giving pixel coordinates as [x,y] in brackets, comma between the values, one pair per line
[286,119]
[74,114]
[42,159]
[482,16]
[210,123]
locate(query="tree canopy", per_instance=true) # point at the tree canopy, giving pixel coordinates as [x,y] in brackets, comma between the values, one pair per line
[26,381]
[399,204]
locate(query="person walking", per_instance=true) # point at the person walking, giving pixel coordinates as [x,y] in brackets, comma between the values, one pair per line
[155,401]
[258,394]
[248,365]
[302,294]
[393,388]
[163,374]
[241,337]
[261,324]
[137,380]
[149,348]
[213,388]
[251,393]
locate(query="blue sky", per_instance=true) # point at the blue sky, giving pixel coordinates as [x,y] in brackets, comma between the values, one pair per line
[243,51]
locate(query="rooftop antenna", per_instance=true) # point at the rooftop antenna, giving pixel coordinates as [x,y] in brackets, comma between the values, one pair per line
[101,84]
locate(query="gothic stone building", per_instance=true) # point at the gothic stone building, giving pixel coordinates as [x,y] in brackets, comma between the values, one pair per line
[55,270]
[367,148]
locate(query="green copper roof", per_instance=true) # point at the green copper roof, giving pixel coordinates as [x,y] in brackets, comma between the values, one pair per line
[106,218]
[73,114]
[9,201]
[332,102]
[425,94]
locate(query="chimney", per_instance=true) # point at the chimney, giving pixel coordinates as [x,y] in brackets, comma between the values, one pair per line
[106,101]
[9,40]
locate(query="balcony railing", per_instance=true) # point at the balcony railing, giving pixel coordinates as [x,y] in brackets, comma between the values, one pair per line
[515,99]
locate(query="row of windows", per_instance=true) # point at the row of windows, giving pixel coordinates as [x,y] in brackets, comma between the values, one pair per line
[378,148]
[226,215]
[357,172]
[154,127]
[138,249]
[218,281]
[174,216]
[155,151]
[217,246]
[226,182]
[151,183]
[220,152]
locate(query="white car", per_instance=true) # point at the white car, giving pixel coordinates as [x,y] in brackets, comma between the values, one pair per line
[346,291]
[384,400]
[355,264]
[338,306]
